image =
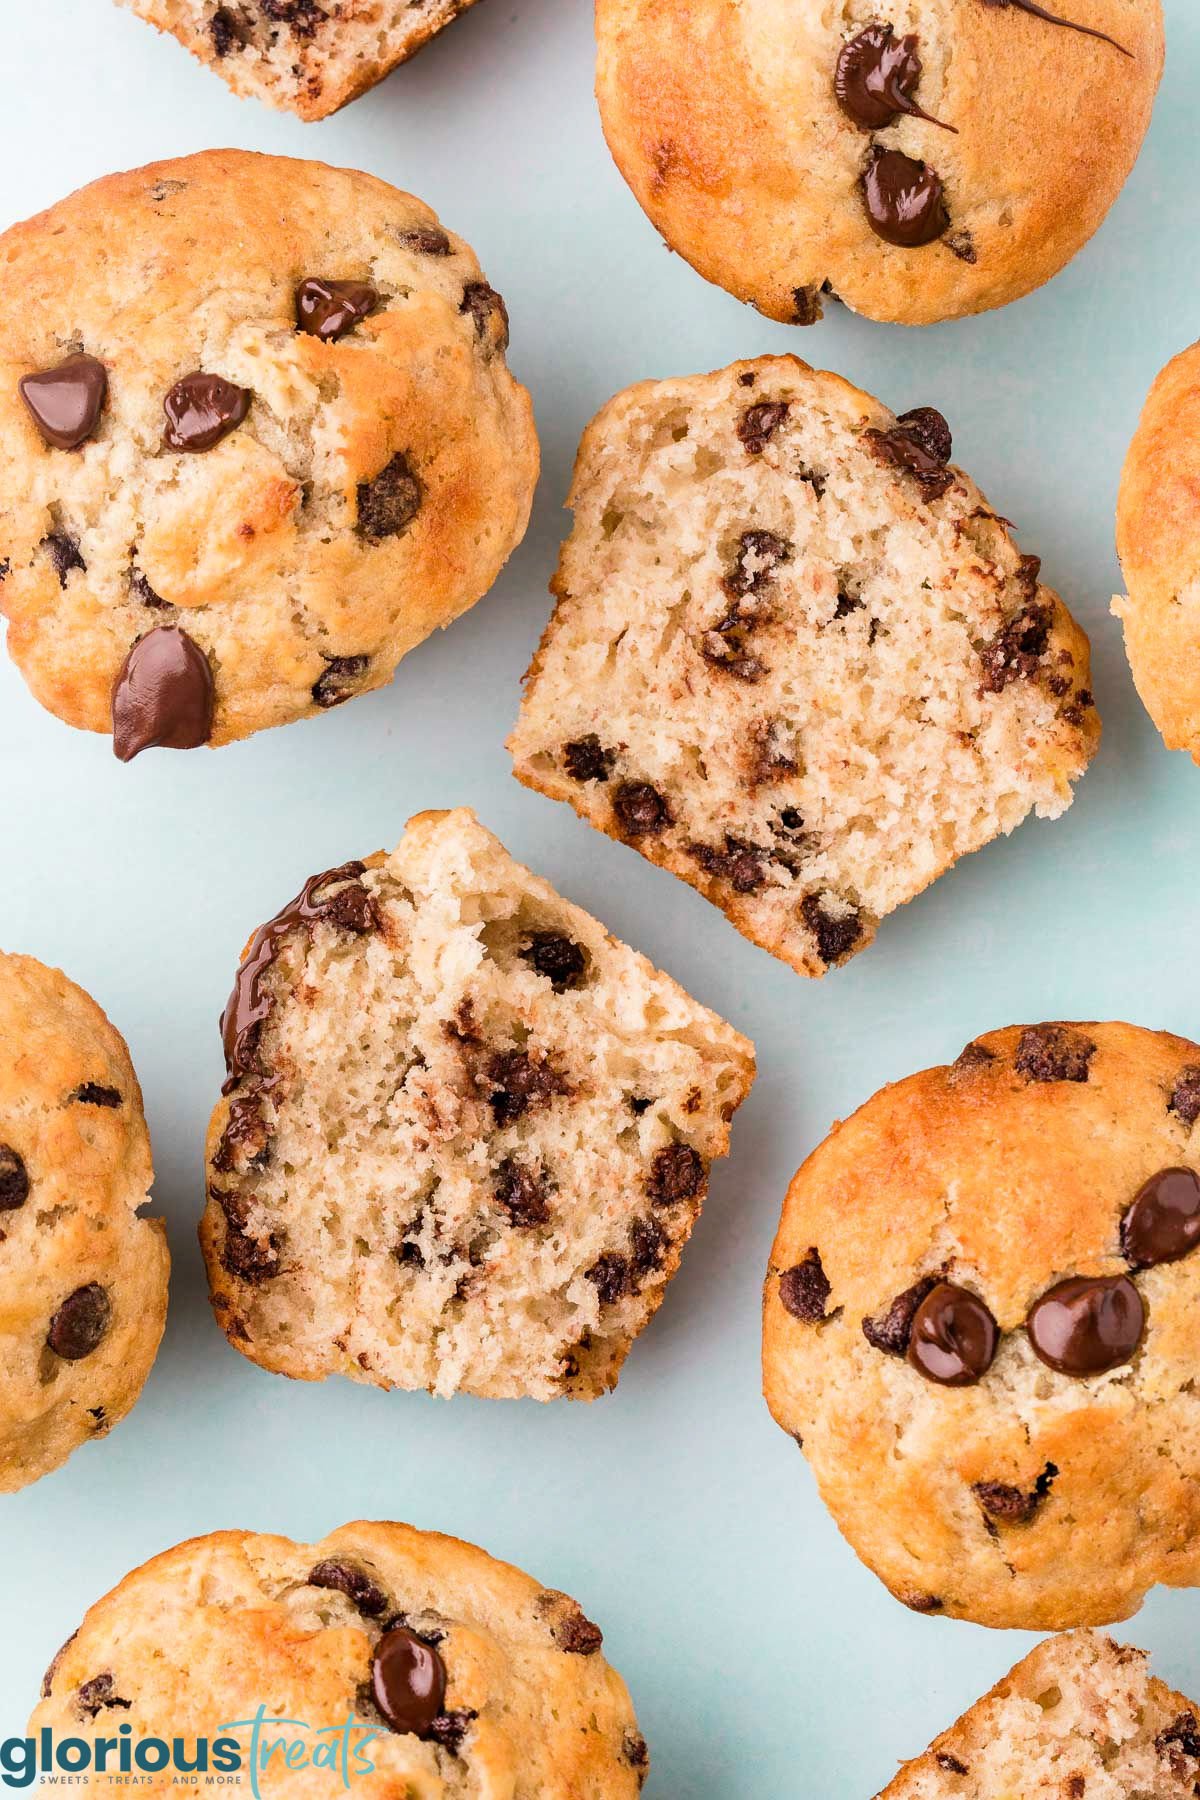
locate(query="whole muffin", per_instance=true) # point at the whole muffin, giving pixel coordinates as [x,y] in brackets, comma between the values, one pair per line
[257,439]
[83,1278]
[980,1319]
[464,1676]
[1079,1718]
[466,1133]
[1158,541]
[919,162]
[797,657]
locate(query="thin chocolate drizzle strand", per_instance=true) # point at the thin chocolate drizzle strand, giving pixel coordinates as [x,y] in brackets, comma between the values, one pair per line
[1039,12]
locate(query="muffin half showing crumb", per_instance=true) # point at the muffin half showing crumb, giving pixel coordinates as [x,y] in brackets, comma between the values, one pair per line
[466,1133]
[796,658]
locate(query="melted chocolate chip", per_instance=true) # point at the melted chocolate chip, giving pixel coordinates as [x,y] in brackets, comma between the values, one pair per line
[521,1191]
[81,1323]
[66,402]
[610,1275]
[1162,1222]
[249,1255]
[954,1337]
[408,1682]
[329,309]
[836,936]
[163,696]
[1015,653]
[91,1093]
[876,76]
[890,1331]
[1185,1095]
[63,552]
[586,759]
[804,1290]
[1087,1325]
[1039,12]
[556,957]
[744,866]
[250,1002]
[245,1139]
[202,409]
[758,424]
[347,1578]
[1005,1504]
[14,1179]
[640,809]
[1054,1053]
[340,680]
[677,1173]
[520,1083]
[425,240]
[920,444]
[100,1694]
[484,304]
[904,198]
[389,502]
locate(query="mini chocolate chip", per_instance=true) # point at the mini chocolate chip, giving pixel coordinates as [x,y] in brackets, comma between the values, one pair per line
[677,1173]
[1087,1325]
[759,554]
[91,1093]
[951,1764]
[250,1256]
[98,1694]
[521,1191]
[1008,1505]
[586,759]
[164,695]
[961,244]
[610,1276]
[390,501]
[575,1633]
[519,1082]
[64,555]
[836,936]
[347,1578]
[920,444]
[1179,1740]
[876,76]
[425,240]
[647,1246]
[804,1290]
[890,1331]
[921,1603]
[1185,1095]
[81,1323]
[66,402]
[744,866]
[14,1179]
[484,303]
[202,409]
[1054,1053]
[1040,12]
[340,680]
[640,809]
[556,957]
[408,1682]
[449,1729]
[1162,1222]
[1015,653]
[904,199]
[329,309]
[954,1337]
[759,423]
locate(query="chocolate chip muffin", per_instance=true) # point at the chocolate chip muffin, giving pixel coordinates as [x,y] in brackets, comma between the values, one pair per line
[980,1319]
[465,1134]
[84,1279]
[464,1676]
[796,657]
[1079,1718]
[1158,539]
[257,439]
[308,57]
[918,162]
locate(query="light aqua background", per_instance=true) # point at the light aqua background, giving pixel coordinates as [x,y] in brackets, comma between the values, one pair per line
[765,1662]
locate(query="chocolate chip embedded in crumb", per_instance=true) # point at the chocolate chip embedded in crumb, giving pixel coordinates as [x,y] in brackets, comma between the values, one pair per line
[389,502]
[519,1082]
[1185,1095]
[347,1578]
[973,1056]
[804,1290]
[14,1179]
[759,423]
[1054,1053]
[962,245]
[99,1694]
[570,1628]
[836,935]
[677,1173]
[640,809]
[635,1751]
[1179,1745]
[1005,1504]
[951,1764]
[758,555]
[340,680]
[91,1093]
[918,1602]
[1016,652]
[81,1323]
[744,866]
[450,1728]
[920,444]
[557,957]
[521,1191]
[610,1276]
[245,1139]
[64,555]
[352,909]
[647,1246]
[425,240]
[143,594]
[806,307]
[890,1331]
[249,1255]
[484,304]
[227,32]
[586,759]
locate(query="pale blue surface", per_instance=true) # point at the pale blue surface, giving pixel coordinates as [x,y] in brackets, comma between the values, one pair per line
[766,1663]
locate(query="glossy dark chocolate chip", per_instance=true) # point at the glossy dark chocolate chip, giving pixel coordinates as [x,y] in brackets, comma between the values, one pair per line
[954,1337]
[891,1329]
[389,502]
[348,1578]
[520,1082]
[804,1289]
[485,306]
[836,933]
[81,1323]
[610,1275]
[904,198]
[521,1191]
[340,680]
[676,1173]
[163,696]
[408,1682]
[640,809]
[202,409]
[63,551]
[1054,1053]
[587,759]
[66,402]
[329,309]
[1040,12]
[556,957]
[876,77]
[1087,1325]
[1185,1095]
[100,1695]
[14,1179]
[920,443]
[1162,1223]
[93,1093]
[758,424]
[425,240]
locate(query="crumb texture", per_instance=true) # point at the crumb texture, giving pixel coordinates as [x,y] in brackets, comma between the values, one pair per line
[796,658]
[469,1136]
